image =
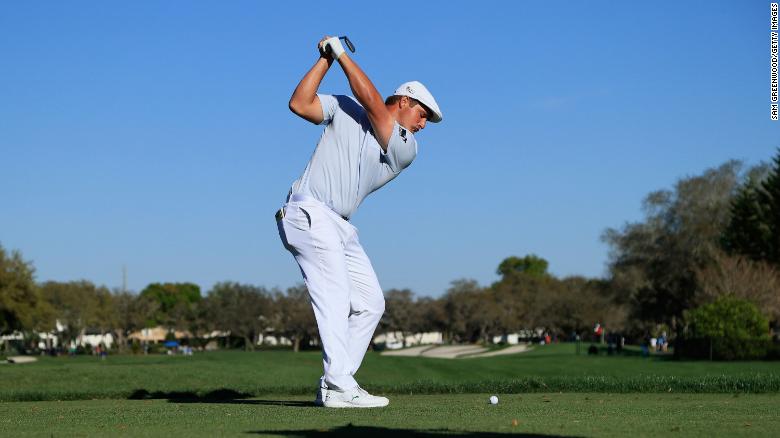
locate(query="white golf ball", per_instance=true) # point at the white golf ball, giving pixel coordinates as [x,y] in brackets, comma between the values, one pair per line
[493,400]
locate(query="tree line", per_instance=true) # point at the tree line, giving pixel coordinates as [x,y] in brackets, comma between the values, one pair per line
[710,236]
[73,308]
[527,296]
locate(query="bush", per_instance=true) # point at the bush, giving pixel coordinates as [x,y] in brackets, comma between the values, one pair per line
[135,346]
[773,352]
[83,349]
[728,317]
[727,329]
[725,348]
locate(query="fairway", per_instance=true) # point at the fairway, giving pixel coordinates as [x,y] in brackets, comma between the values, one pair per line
[549,390]
[423,415]
[550,368]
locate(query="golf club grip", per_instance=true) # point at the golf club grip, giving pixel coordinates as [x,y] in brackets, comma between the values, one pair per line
[347,41]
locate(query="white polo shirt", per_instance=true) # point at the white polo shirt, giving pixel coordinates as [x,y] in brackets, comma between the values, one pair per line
[348,163]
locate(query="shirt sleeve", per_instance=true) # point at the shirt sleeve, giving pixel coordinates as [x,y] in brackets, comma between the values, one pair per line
[401,149]
[329,106]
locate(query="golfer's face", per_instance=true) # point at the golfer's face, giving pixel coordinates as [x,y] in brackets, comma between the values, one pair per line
[412,118]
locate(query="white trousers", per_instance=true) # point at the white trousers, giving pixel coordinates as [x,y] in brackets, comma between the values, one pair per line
[345,293]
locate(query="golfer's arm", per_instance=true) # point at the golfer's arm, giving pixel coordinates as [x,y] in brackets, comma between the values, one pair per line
[369,97]
[304,101]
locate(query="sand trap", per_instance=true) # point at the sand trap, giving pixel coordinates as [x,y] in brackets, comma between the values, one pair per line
[21,359]
[413,351]
[454,351]
[508,350]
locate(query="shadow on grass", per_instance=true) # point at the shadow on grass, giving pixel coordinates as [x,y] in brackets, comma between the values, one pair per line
[228,396]
[374,432]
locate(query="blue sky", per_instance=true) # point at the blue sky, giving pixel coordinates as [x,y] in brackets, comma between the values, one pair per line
[156,135]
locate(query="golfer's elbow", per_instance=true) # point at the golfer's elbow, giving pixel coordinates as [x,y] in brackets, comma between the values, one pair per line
[298,108]
[311,112]
[294,106]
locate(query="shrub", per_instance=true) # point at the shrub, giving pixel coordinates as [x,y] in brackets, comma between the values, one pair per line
[728,328]
[728,317]
[156,348]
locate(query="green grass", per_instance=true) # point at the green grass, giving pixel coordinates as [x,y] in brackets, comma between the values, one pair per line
[549,391]
[550,368]
[554,414]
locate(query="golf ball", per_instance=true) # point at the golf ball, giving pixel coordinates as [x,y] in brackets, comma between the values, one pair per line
[493,400]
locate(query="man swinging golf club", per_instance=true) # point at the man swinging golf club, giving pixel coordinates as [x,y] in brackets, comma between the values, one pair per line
[366,143]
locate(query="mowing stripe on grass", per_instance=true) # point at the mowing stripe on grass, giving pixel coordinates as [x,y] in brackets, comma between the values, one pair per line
[553,368]
[724,384]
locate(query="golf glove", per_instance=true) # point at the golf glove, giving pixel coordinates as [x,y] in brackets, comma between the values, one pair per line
[333,46]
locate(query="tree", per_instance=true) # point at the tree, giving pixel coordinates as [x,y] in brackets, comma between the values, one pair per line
[739,276]
[131,313]
[771,191]
[524,300]
[471,311]
[294,317]
[749,231]
[242,309]
[176,302]
[653,262]
[520,298]
[754,227]
[433,317]
[78,305]
[530,264]
[401,313]
[19,298]
[578,303]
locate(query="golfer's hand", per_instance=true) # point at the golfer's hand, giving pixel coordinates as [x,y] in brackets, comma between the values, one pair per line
[321,48]
[331,47]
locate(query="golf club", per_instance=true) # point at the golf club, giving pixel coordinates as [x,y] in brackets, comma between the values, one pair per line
[346,40]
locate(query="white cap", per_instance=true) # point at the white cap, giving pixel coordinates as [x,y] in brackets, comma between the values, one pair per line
[417,91]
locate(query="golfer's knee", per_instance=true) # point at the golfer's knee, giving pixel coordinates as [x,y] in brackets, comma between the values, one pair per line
[374,308]
[379,306]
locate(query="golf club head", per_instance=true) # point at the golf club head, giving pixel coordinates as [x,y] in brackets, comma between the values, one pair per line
[349,44]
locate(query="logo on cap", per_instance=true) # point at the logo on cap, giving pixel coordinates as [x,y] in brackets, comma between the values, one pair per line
[409,89]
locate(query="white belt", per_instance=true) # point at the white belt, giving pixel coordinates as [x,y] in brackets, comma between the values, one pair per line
[301,197]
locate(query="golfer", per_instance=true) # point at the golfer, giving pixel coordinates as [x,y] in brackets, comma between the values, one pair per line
[366,143]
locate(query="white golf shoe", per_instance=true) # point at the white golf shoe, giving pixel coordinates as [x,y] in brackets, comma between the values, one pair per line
[356,397]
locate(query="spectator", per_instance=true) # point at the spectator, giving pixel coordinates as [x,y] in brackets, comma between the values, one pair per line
[646,341]
[662,342]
